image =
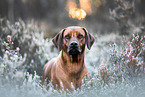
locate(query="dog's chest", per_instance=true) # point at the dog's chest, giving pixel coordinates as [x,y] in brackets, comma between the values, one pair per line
[75,81]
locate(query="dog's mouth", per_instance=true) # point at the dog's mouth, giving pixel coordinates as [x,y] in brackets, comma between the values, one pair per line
[74,51]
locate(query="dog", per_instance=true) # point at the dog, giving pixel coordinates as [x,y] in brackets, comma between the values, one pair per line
[68,69]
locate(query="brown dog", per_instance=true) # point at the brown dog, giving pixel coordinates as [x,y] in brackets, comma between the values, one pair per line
[69,68]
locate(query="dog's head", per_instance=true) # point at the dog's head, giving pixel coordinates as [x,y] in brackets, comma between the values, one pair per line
[73,40]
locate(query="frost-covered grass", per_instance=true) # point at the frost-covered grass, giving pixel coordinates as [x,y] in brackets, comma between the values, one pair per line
[31,88]
[116,64]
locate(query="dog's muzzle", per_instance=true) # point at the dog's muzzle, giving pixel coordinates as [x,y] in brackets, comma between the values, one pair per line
[74,48]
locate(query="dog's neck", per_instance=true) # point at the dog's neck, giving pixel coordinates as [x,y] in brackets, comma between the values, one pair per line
[72,63]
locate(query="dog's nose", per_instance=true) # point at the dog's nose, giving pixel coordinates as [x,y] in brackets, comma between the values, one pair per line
[73,43]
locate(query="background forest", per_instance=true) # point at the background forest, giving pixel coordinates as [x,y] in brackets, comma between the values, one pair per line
[116,62]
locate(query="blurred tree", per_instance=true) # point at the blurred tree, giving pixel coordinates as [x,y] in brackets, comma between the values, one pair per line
[140,7]
[24,9]
[123,11]
[11,10]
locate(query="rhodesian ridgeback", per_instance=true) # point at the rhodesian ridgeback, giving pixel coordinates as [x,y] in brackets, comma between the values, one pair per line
[69,68]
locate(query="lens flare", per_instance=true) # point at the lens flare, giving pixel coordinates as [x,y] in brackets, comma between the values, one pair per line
[77,13]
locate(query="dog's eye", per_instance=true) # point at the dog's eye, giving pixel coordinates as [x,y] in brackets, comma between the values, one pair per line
[80,36]
[67,37]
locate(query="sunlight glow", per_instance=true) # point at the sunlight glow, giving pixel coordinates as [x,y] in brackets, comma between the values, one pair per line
[79,13]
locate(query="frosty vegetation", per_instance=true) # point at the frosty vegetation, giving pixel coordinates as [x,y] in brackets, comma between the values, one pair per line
[116,64]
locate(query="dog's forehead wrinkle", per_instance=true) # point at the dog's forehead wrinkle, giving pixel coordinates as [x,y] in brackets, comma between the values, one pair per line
[73,31]
[74,27]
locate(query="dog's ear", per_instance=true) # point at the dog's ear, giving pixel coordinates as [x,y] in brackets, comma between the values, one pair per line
[89,38]
[58,40]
